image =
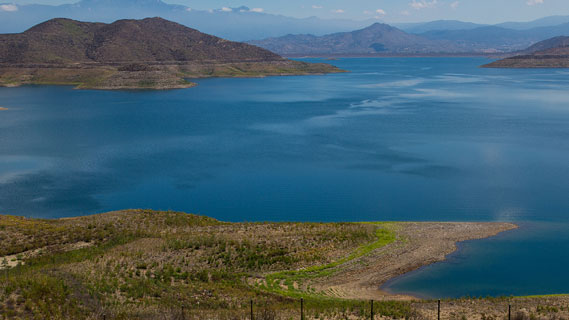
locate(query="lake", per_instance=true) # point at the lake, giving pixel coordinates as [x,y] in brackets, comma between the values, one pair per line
[405,139]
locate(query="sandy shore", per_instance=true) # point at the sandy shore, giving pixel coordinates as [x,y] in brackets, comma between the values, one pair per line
[418,244]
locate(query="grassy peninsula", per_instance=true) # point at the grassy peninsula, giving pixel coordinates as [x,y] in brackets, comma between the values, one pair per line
[151,53]
[142,264]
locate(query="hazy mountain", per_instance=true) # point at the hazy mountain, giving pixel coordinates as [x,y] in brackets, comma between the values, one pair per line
[489,37]
[375,39]
[436,25]
[501,39]
[543,22]
[550,53]
[245,24]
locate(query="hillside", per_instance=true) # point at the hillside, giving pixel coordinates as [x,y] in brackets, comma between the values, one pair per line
[551,53]
[143,264]
[375,39]
[149,53]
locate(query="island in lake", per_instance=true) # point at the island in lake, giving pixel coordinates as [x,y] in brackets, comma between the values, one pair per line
[152,53]
[551,53]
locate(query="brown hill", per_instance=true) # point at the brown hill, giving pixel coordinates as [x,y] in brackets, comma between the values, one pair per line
[148,40]
[551,53]
[155,48]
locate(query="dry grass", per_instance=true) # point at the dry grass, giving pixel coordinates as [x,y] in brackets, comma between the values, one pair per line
[143,263]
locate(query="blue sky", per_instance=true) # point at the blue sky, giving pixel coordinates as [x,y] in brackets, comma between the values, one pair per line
[482,11]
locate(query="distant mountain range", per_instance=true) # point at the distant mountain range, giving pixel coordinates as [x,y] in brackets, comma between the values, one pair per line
[288,35]
[152,53]
[238,24]
[375,39]
[498,38]
[382,39]
[421,27]
[550,53]
[438,25]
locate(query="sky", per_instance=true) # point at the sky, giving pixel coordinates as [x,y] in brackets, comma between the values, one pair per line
[480,11]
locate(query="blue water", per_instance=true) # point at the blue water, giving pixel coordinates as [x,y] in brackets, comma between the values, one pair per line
[393,139]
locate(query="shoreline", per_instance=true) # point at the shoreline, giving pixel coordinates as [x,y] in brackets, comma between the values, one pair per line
[419,244]
[151,76]
[385,287]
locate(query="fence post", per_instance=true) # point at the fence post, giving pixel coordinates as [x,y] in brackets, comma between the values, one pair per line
[372,309]
[439,310]
[252,309]
[301,309]
[509,312]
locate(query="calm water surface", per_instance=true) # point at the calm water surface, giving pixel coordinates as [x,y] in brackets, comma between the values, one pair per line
[394,139]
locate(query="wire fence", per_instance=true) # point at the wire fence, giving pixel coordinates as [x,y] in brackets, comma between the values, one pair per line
[372,312]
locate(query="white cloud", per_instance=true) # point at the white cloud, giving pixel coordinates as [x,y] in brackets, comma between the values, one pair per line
[405,13]
[534,2]
[9,7]
[257,10]
[316,7]
[380,11]
[455,4]
[338,11]
[422,4]
[189,9]
[226,9]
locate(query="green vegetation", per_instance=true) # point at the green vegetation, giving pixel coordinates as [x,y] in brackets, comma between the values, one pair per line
[289,282]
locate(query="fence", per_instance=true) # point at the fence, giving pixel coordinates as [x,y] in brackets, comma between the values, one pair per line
[371,306]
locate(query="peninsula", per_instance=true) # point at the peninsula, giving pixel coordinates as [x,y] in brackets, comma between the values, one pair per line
[152,53]
[146,264]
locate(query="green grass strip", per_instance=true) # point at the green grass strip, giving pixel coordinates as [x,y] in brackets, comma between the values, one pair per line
[385,234]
